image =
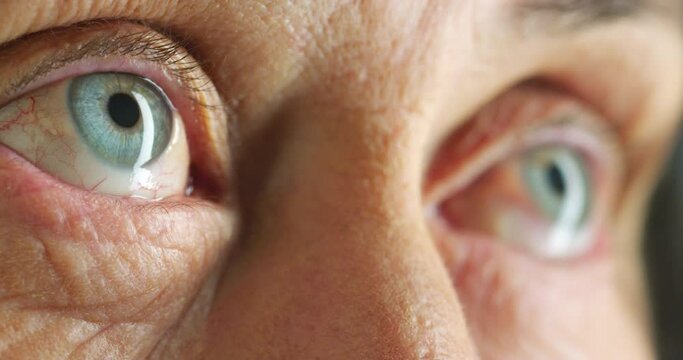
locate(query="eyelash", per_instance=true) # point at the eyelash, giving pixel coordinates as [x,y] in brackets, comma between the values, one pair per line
[484,132]
[145,44]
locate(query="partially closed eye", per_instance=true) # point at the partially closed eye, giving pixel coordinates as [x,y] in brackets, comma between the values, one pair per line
[544,183]
[115,133]
[539,200]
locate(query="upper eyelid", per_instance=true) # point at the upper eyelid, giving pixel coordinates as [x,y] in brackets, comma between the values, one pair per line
[111,40]
[506,113]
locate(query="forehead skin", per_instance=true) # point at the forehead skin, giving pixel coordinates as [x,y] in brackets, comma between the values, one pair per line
[271,48]
[387,78]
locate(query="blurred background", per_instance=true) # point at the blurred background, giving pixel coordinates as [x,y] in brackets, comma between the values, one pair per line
[664,257]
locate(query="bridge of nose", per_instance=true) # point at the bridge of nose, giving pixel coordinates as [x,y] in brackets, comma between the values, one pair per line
[336,261]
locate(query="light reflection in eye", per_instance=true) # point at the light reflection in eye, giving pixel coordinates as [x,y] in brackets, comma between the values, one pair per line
[559,181]
[548,191]
[110,132]
[540,199]
[124,119]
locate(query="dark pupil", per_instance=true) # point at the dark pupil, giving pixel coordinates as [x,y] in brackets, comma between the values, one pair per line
[124,110]
[555,179]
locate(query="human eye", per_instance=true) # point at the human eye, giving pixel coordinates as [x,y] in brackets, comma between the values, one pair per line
[522,201]
[542,183]
[114,133]
[116,123]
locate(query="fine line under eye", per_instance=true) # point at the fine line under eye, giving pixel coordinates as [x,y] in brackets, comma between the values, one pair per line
[545,185]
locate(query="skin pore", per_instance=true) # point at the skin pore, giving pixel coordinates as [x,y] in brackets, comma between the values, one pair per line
[322,137]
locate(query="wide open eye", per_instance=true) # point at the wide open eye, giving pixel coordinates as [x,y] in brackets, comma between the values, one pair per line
[115,133]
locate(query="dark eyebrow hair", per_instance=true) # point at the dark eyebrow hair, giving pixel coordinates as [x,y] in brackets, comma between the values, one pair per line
[577,14]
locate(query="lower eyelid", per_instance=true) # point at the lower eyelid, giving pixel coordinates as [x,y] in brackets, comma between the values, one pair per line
[492,278]
[49,207]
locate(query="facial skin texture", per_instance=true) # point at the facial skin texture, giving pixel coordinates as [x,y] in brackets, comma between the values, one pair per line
[321,248]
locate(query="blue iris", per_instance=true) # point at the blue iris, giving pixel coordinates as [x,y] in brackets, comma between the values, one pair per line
[559,181]
[125,119]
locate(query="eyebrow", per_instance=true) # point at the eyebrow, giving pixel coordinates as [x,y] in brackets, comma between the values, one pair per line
[577,14]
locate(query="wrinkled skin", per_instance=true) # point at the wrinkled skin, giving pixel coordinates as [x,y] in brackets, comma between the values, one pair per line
[321,248]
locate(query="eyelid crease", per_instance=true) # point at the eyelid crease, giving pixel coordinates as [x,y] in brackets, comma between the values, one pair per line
[504,124]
